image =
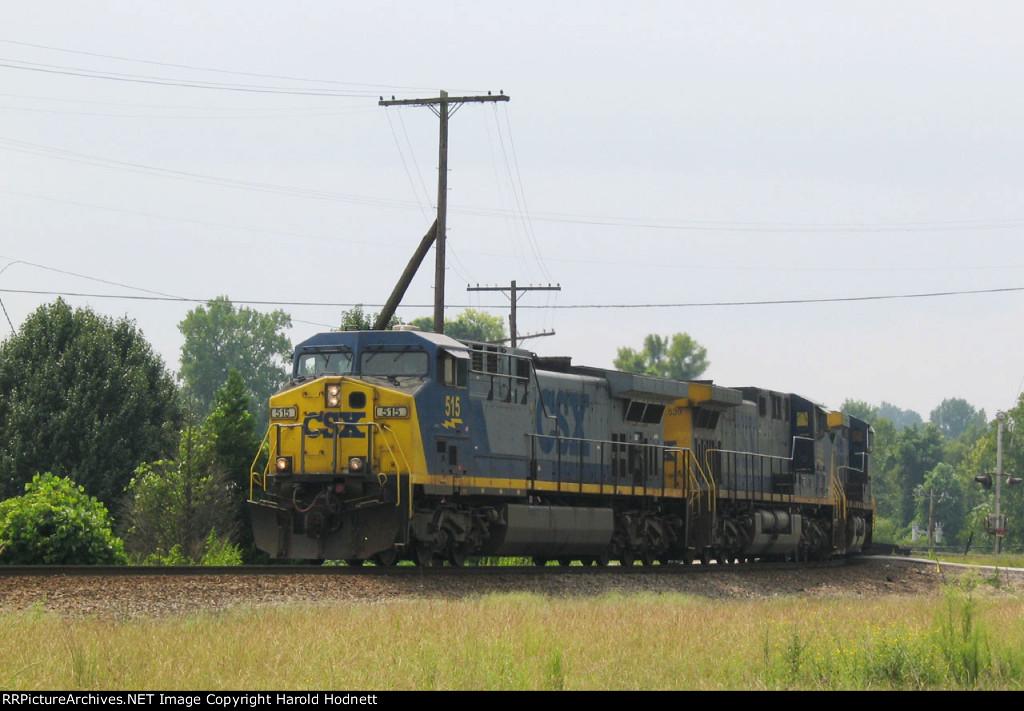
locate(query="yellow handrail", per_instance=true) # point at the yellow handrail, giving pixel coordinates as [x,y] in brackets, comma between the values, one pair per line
[408,467]
[693,488]
[254,476]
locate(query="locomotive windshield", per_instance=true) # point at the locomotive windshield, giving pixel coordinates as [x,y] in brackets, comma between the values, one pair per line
[394,362]
[334,362]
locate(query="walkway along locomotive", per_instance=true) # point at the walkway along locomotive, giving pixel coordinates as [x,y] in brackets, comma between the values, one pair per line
[405,444]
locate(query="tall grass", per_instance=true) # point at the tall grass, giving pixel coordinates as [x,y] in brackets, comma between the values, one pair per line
[522,641]
[956,646]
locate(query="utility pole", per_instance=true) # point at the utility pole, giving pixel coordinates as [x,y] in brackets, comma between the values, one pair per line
[514,294]
[1000,527]
[443,107]
[931,522]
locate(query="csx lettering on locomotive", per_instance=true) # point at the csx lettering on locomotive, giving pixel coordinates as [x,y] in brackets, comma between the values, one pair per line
[325,424]
[564,406]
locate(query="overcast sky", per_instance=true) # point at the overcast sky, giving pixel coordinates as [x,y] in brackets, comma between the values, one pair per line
[688,160]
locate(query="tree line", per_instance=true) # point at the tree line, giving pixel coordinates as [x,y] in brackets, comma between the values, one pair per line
[109,458]
[926,471]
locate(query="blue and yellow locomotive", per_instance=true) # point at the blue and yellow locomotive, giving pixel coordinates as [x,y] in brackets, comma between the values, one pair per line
[404,444]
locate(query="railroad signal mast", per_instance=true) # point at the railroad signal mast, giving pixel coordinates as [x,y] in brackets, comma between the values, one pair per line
[996,523]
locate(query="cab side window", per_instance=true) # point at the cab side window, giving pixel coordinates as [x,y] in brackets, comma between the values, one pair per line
[453,371]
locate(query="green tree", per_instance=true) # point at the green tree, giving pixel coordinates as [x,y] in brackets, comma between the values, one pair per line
[356,319]
[174,505]
[219,338]
[883,485]
[860,410]
[678,358]
[955,416]
[916,451]
[232,430]
[470,325]
[84,397]
[945,490]
[56,523]
[234,443]
[900,418]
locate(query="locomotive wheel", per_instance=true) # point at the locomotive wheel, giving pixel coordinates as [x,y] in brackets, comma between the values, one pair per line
[354,562]
[565,562]
[627,558]
[422,555]
[586,561]
[688,557]
[457,557]
[603,560]
[705,557]
[387,558]
[540,561]
[647,558]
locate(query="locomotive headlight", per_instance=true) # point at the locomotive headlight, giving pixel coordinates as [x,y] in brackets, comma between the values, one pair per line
[332,396]
[356,464]
[283,465]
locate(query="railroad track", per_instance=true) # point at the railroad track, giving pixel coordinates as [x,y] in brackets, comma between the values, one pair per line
[124,592]
[384,571]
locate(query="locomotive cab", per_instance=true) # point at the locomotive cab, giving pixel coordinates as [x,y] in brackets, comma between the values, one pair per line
[344,437]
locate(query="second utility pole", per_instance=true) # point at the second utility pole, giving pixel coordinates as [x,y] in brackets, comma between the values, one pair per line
[440,106]
[514,292]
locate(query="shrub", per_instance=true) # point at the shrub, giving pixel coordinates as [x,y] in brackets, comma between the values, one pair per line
[57,523]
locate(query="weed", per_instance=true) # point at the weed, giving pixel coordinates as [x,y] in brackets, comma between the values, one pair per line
[555,673]
[962,639]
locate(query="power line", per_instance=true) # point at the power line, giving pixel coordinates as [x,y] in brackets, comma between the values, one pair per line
[153,295]
[375,87]
[74,157]
[603,221]
[662,264]
[519,193]
[162,81]
[679,305]
[287,113]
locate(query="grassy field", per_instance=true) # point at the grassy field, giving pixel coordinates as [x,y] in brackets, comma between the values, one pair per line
[970,637]
[1001,561]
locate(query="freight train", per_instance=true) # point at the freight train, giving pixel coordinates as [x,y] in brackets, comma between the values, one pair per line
[391,445]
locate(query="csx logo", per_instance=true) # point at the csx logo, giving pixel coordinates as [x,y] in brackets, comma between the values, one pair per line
[326,424]
[569,410]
